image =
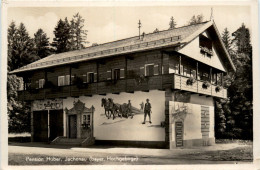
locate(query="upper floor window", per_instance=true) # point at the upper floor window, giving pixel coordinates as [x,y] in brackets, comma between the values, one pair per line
[41,83]
[205,45]
[149,70]
[64,80]
[92,77]
[115,74]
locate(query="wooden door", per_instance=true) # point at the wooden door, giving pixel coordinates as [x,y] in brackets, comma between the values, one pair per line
[56,124]
[73,126]
[179,134]
[40,126]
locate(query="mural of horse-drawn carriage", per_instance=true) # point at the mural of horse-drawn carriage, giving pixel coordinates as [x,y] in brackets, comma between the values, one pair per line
[119,110]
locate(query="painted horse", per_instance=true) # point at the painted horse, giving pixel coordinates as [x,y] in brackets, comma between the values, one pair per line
[105,104]
[114,108]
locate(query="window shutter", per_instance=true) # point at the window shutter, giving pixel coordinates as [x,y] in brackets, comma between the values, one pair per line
[156,69]
[142,71]
[85,78]
[162,70]
[67,80]
[95,77]
[109,75]
[122,73]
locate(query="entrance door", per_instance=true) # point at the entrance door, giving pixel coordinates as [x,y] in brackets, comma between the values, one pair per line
[73,126]
[40,126]
[56,124]
[179,134]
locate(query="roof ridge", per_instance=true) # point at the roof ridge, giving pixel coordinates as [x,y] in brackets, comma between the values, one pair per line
[67,52]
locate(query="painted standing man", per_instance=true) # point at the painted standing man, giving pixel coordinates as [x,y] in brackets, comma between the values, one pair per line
[147,111]
[129,108]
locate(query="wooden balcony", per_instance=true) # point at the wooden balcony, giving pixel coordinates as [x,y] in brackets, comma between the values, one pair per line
[159,82]
[180,82]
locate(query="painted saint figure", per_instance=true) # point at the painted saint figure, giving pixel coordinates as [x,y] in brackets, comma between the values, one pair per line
[147,111]
[142,106]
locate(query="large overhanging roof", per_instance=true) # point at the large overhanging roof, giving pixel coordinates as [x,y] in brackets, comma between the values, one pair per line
[134,44]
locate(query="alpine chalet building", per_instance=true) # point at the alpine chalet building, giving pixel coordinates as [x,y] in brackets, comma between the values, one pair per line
[152,90]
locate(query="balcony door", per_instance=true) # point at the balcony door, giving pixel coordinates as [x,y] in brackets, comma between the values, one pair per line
[72,126]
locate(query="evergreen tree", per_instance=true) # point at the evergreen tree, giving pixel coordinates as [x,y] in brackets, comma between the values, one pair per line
[196,20]
[172,23]
[20,53]
[61,41]
[20,47]
[226,39]
[78,34]
[241,91]
[41,44]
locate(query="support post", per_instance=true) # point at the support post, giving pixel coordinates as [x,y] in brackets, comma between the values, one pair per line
[48,124]
[32,129]
[168,131]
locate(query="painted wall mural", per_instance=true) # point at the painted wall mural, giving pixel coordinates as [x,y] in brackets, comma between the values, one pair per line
[122,117]
[55,104]
[190,115]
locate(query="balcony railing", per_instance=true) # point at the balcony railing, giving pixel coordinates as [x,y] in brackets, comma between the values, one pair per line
[180,82]
[160,82]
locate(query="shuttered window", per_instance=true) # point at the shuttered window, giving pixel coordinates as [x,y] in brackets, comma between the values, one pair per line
[116,74]
[90,77]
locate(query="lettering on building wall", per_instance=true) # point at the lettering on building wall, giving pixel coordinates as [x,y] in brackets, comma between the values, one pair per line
[55,104]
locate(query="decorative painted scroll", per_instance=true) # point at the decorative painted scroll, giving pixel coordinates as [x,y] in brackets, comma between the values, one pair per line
[55,104]
[79,108]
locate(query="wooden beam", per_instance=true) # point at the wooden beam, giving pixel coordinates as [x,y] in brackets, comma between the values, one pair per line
[130,57]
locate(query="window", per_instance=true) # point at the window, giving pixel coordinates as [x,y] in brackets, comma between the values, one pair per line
[193,73]
[177,68]
[90,77]
[41,83]
[86,119]
[151,69]
[113,74]
[61,80]
[116,74]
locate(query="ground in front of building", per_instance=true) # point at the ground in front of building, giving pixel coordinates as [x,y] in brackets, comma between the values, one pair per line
[226,152]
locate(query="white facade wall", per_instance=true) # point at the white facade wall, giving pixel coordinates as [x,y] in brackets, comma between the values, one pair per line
[122,128]
[192,120]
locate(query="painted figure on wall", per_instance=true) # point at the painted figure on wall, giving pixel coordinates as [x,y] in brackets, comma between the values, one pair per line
[142,106]
[147,111]
[119,110]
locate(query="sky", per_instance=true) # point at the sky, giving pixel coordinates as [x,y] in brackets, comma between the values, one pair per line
[108,23]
